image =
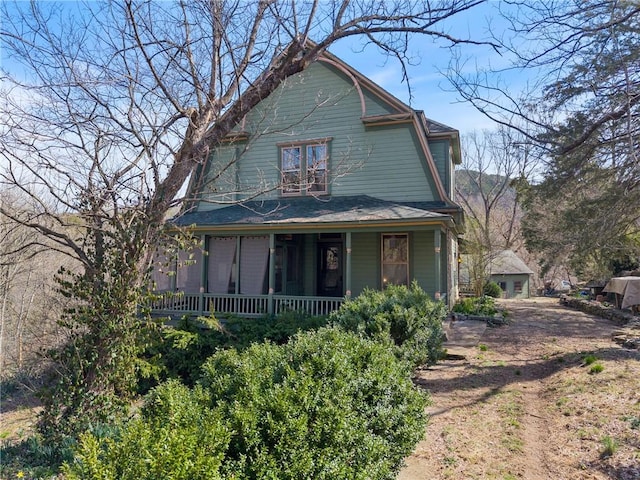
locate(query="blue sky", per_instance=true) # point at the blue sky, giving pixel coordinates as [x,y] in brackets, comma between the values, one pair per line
[430,87]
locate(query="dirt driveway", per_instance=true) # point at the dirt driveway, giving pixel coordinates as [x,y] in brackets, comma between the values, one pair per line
[549,396]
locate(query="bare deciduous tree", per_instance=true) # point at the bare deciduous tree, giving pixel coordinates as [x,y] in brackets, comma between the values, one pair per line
[496,166]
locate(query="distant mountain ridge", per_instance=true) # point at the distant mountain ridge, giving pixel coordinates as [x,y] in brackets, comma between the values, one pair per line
[468,187]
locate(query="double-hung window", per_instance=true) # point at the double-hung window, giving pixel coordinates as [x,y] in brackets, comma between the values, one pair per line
[291,172]
[304,168]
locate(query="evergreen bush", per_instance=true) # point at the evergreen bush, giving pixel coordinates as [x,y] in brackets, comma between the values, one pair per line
[186,346]
[327,405]
[485,306]
[176,436]
[492,289]
[401,316]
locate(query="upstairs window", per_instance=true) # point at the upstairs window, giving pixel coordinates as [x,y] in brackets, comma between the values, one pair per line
[291,170]
[317,168]
[304,168]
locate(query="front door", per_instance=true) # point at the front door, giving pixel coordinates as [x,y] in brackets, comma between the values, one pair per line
[330,270]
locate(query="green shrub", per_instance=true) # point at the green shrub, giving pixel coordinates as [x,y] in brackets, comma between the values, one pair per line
[33,457]
[401,316]
[177,436]
[185,347]
[327,405]
[492,289]
[476,306]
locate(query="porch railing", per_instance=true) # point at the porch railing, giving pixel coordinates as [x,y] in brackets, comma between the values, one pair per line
[313,305]
[243,305]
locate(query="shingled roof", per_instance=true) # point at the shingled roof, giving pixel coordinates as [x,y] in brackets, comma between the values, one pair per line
[305,210]
[507,262]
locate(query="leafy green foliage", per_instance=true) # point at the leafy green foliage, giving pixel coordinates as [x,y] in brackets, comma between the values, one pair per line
[95,372]
[327,405]
[401,316]
[183,349]
[485,306]
[108,327]
[34,457]
[492,289]
[176,436]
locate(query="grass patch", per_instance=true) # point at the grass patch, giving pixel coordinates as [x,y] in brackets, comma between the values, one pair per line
[609,446]
[596,368]
[589,359]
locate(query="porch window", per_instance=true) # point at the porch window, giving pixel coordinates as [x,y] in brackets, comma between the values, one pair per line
[304,168]
[222,252]
[188,274]
[395,259]
[164,268]
[254,258]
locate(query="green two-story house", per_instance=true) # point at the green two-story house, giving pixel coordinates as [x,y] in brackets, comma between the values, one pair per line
[329,186]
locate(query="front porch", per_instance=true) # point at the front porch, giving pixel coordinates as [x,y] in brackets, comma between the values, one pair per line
[266,258]
[194,304]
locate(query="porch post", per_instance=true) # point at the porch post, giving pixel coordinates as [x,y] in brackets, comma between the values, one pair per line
[347,265]
[203,272]
[272,270]
[438,262]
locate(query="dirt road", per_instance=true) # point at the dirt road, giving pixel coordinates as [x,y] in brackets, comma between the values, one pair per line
[549,396]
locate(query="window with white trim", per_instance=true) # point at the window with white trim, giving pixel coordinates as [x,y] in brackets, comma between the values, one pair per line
[395,259]
[304,168]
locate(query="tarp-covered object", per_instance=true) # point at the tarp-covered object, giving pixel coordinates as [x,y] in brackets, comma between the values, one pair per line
[627,287]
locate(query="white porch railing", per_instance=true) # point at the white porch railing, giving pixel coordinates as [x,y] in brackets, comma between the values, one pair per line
[312,305]
[243,305]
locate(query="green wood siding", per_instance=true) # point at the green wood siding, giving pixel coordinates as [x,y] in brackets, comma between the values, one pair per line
[383,161]
[222,178]
[422,260]
[365,262]
[394,168]
[440,153]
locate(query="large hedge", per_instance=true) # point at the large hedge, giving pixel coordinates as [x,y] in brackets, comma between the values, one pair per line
[405,317]
[327,405]
[184,347]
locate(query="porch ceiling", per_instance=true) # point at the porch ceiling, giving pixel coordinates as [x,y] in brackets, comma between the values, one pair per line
[316,210]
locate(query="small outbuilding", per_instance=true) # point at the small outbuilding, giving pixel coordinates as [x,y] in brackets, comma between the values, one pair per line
[511,273]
